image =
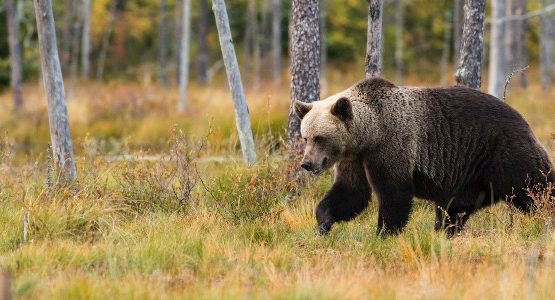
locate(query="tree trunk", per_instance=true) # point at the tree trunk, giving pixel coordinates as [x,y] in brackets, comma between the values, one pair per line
[106,42]
[399,66]
[509,40]
[521,41]
[86,42]
[177,37]
[16,75]
[497,67]
[446,47]
[234,78]
[184,54]
[276,41]
[163,44]
[374,39]
[546,49]
[457,29]
[470,64]
[62,149]
[203,51]
[305,60]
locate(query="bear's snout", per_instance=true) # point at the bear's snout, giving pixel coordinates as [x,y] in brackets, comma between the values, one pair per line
[306,165]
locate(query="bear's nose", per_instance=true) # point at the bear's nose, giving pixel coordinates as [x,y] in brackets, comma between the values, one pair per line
[306,165]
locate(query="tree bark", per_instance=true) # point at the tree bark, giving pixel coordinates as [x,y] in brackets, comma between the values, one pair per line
[546,49]
[234,78]
[163,44]
[374,39]
[470,64]
[457,29]
[323,48]
[509,38]
[184,54]
[497,67]
[276,41]
[16,75]
[86,40]
[399,66]
[446,47]
[203,51]
[62,149]
[305,60]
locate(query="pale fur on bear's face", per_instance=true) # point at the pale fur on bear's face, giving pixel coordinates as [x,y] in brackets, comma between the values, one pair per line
[324,129]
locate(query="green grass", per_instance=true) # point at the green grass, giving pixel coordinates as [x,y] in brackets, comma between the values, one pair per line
[185,226]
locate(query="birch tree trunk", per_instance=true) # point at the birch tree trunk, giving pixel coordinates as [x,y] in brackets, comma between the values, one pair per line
[163,44]
[203,51]
[16,74]
[374,39]
[457,29]
[276,41]
[399,66]
[86,40]
[470,64]
[446,47]
[323,48]
[521,41]
[184,54]
[242,117]
[546,49]
[62,149]
[497,67]
[305,60]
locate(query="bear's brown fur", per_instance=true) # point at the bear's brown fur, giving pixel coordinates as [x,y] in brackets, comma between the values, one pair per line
[456,146]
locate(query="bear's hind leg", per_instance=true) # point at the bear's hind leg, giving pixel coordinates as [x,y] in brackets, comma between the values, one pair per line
[346,199]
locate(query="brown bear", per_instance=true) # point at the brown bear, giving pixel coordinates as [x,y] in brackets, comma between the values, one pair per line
[456,146]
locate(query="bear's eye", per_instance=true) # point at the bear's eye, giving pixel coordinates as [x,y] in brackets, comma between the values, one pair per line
[305,140]
[318,139]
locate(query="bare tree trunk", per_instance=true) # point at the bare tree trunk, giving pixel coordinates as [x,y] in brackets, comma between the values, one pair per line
[163,44]
[497,73]
[374,39]
[184,54]
[177,36]
[86,42]
[546,49]
[62,149]
[276,40]
[521,41]
[106,42]
[470,64]
[234,78]
[16,75]
[305,60]
[203,51]
[446,47]
[399,66]
[457,29]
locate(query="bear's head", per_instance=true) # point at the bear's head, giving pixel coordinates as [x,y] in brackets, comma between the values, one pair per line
[325,130]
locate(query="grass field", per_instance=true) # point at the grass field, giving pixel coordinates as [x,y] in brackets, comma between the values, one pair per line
[164,208]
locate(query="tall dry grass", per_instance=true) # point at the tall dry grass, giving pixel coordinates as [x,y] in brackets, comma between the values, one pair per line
[180,216]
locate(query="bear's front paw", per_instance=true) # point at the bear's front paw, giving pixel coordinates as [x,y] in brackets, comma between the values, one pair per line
[324,227]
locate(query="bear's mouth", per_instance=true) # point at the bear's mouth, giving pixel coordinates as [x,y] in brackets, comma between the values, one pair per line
[317,171]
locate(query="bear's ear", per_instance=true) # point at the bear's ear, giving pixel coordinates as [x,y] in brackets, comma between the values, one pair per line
[302,108]
[342,109]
